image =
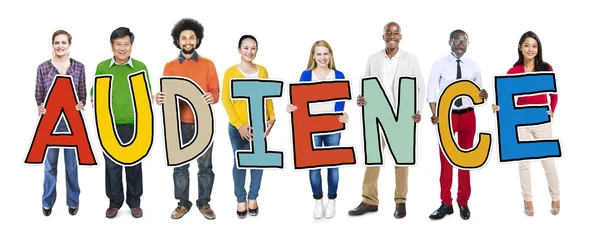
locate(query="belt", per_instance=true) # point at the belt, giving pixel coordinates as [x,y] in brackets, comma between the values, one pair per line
[462,111]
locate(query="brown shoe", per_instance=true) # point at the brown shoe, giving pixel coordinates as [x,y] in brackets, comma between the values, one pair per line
[178,212]
[207,212]
[362,209]
[111,212]
[137,212]
[400,210]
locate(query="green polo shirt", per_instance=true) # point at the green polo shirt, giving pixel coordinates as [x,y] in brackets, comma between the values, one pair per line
[122,105]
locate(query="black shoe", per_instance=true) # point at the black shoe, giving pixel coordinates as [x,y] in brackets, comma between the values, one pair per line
[442,211]
[46,212]
[465,213]
[362,209]
[253,212]
[400,210]
[242,214]
[73,211]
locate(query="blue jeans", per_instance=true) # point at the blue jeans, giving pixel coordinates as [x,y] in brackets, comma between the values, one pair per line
[205,176]
[332,173]
[239,175]
[50,171]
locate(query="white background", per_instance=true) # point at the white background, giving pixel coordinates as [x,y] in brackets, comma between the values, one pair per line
[285,31]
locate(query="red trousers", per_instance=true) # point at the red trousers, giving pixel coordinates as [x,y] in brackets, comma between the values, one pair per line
[463,125]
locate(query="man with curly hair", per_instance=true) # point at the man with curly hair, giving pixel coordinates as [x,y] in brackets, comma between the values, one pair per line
[187,36]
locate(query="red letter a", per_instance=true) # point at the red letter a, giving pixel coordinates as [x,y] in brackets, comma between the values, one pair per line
[61,101]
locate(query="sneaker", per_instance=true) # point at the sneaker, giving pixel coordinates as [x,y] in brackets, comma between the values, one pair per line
[318,212]
[330,210]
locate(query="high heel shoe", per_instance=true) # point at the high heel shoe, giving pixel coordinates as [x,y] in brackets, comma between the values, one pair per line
[253,212]
[555,211]
[242,214]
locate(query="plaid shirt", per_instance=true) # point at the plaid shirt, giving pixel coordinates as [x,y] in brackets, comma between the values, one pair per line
[45,76]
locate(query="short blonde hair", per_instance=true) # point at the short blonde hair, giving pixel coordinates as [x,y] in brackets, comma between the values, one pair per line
[311,62]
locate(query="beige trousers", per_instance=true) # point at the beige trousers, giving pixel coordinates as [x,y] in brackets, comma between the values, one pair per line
[531,133]
[369,188]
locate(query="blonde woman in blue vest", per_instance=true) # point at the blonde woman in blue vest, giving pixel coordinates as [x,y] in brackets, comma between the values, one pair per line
[321,67]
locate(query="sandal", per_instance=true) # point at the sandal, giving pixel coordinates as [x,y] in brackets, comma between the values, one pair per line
[528,212]
[555,210]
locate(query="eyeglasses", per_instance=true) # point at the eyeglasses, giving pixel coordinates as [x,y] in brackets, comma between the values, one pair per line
[458,42]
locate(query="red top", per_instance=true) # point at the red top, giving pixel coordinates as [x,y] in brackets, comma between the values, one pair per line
[534,99]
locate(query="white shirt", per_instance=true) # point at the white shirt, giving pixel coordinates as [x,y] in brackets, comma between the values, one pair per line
[389,74]
[444,72]
[404,64]
[249,75]
[322,107]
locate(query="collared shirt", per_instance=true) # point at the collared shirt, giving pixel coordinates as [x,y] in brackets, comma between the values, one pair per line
[46,73]
[113,62]
[181,58]
[444,72]
[123,108]
[389,72]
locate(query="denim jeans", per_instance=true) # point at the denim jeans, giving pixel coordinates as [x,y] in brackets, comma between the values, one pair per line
[114,176]
[50,171]
[332,173]
[239,175]
[181,174]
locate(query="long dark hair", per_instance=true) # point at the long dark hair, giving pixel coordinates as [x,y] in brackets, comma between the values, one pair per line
[539,63]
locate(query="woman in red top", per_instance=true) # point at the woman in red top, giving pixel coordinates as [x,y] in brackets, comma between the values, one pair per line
[530,60]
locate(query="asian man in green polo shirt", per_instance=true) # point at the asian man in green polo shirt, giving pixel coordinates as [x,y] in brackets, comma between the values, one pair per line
[120,66]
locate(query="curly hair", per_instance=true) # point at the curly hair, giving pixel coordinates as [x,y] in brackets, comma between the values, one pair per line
[187,24]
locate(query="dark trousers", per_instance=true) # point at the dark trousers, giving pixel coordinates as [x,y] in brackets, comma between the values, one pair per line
[114,176]
[181,174]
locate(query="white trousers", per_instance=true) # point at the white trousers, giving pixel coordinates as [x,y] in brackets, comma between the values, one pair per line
[531,133]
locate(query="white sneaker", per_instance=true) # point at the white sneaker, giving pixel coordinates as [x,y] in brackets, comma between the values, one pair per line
[330,211]
[318,212]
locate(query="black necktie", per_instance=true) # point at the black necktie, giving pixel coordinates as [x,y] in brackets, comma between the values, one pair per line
[458,102]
